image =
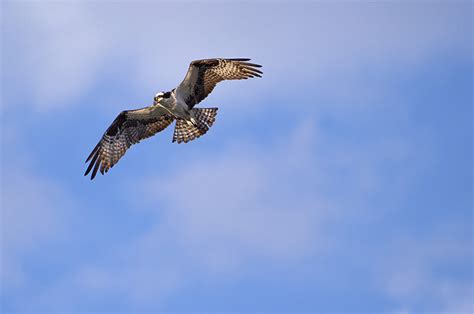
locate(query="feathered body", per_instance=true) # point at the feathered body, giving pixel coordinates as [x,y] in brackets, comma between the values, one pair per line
[131,126]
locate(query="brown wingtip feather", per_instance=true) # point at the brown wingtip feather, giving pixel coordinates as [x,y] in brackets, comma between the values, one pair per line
[244,62]
[89,168]
[250,69]
[239,59]
[251,64]
[93,151]
[94,172]
[254,70]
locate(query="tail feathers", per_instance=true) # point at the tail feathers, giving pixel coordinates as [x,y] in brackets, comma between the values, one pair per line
[186,132]
[205,117]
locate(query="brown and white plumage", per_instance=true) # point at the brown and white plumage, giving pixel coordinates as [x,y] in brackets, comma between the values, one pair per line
[203,76]
[184,132]
[132,126]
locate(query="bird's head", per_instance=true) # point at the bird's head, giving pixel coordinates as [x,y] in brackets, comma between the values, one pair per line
[159,96]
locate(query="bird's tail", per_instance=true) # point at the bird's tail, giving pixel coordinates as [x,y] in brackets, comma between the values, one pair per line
[203,119]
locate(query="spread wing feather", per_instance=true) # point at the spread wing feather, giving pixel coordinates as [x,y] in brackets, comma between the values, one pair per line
[203,76]
[130,127]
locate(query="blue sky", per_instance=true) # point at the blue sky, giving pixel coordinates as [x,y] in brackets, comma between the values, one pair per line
[341,181]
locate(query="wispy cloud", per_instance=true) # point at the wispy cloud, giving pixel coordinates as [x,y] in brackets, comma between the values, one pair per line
[213,218]
[55,49]
[62,51]
[237,205]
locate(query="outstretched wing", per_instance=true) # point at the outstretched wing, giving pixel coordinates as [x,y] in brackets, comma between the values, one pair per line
[203,76]
[129,128]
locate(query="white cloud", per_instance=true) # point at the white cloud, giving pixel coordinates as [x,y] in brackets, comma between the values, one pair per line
[63,49]
[240,204]
[216,216]
[211,220]
[58,51]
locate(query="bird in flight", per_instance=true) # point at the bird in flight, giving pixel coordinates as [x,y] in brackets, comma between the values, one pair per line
[132,126]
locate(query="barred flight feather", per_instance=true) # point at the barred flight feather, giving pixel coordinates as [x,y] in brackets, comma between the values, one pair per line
[185,132]
[122,133]
[203,76]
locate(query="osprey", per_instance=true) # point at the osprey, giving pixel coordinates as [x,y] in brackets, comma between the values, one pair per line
[131,126]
